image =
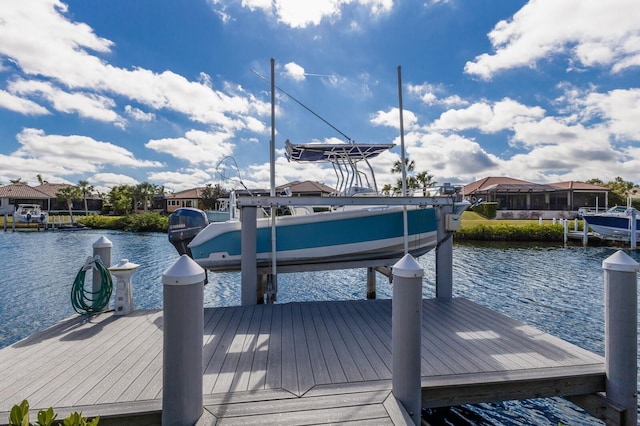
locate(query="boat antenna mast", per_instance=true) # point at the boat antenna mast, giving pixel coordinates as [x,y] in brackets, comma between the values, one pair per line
[305,107]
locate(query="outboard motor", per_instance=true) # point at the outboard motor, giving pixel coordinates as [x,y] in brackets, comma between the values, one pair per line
[184,225]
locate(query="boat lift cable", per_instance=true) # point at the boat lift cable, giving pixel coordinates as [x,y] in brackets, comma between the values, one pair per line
[305,107]
[87,301]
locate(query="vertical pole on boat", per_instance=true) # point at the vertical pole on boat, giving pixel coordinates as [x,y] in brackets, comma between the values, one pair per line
[406,335]
[273,285]
[183,311]
[621,333]
[404,166]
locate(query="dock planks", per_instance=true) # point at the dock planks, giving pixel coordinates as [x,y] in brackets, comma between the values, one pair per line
[296,362]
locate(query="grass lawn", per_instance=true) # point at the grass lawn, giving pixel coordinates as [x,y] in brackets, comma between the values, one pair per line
[471,219]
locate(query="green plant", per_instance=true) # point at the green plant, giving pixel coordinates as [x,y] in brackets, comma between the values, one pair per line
[19,416]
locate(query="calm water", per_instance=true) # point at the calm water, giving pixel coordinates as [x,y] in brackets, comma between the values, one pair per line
[558,290]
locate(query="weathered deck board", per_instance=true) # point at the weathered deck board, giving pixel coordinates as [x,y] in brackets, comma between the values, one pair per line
[326,361]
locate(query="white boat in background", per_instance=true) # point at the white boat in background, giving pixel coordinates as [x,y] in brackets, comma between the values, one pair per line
[344,235]
[615,223]
[30,213]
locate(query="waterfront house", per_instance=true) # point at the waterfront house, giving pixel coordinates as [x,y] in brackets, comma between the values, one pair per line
[520,199]
[45,196]
[193,197]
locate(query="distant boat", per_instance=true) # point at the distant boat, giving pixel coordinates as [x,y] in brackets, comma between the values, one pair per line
[615,223]
[373,234]
[30,213]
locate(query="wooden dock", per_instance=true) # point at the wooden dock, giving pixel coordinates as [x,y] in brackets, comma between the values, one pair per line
[295,363]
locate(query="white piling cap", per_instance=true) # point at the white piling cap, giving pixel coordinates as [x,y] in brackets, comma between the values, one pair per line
[620,261]
[184,271]
[103,242]
[407,267]
[124,265]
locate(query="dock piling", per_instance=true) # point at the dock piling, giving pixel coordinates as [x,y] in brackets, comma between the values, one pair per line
[248,262]
[444,257]
[633,225]
[621,336]
[371,283]
[406,328]
[183,305]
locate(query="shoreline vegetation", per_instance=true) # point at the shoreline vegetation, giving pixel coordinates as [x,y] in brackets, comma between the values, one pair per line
[474,227]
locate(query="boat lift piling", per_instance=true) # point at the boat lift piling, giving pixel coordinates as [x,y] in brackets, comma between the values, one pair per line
[253,278]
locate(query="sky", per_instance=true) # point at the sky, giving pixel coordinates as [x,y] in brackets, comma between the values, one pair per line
[177,93]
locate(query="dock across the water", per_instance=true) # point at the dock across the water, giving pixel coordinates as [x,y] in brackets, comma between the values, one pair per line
[294,363]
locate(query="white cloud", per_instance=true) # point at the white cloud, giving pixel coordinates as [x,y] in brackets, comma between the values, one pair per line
[592,32]
[302,14]
[181,180]
[73,154]
[294,71]
[620,109]
[51,46]
[21,105]
[138,114]
[88,105]
[196,147]
[391,118]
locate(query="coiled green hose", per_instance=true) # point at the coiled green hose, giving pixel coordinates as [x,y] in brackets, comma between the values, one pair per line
[86,301]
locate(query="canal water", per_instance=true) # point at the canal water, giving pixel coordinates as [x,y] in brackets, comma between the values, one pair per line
[556,289]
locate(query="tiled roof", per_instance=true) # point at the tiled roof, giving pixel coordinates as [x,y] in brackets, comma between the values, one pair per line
[482,184]
[51,189]
[22,190]
[570,184]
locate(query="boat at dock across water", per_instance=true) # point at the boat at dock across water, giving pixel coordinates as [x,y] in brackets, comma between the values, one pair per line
[30,213]
[323,240]
[615,223]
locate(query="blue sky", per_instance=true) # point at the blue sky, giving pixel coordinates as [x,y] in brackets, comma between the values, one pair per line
[122,92]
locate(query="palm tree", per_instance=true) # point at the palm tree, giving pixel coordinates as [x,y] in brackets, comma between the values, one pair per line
[41,181]
[69,194]
[144,192]
[425,179]
[14,181]
[85,189]
[386,190]
[409,164]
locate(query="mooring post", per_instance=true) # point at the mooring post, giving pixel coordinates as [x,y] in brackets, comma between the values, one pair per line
[444,257]
[248,262]
[621,333]
[566,231]
[183,308]
[633,226]
[4,223]
[371,283]
[406,335]
[585,233]
[102,247]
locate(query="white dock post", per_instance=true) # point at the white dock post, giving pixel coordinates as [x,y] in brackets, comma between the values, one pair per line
[566,231]
[102,247]
[406,335]
[4,223]
[585,232]
[621,336]
[444,258]
[183,305]
[575,225]
[540,221]
[633,226]
[248,262]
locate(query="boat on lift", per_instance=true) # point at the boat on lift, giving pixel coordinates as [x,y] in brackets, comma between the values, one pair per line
[30,213]
[340,236]
[615,223]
